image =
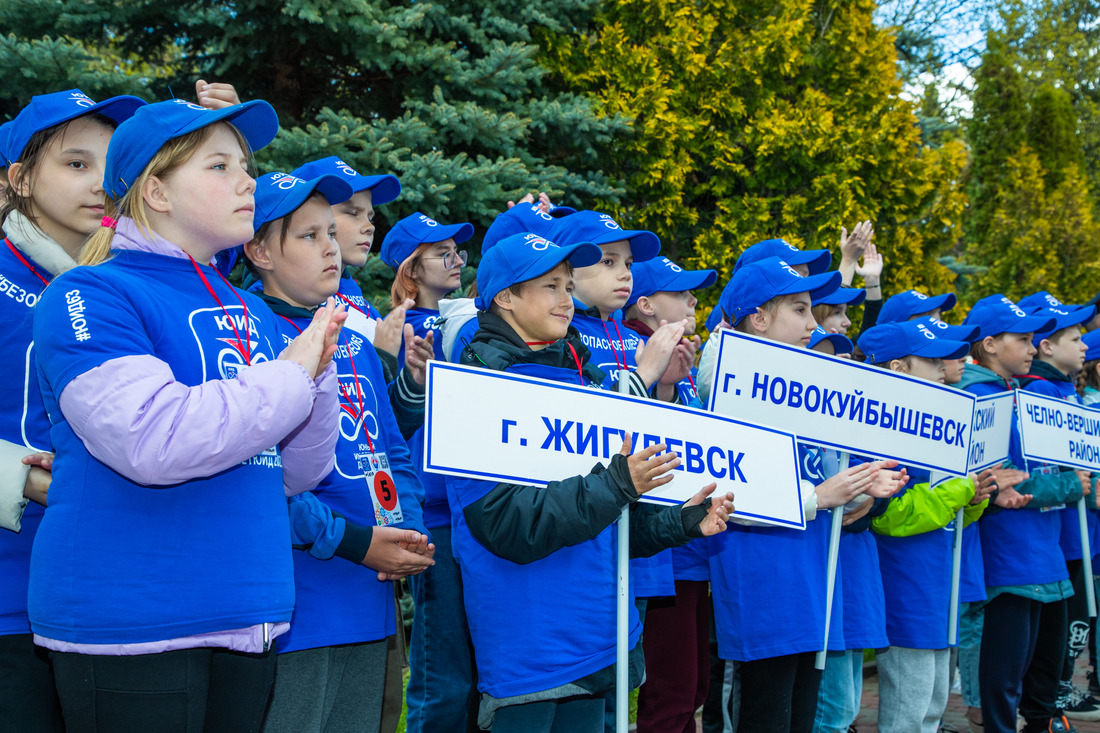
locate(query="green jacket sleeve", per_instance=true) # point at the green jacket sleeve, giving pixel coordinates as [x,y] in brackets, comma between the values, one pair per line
[973,512]
[921,509]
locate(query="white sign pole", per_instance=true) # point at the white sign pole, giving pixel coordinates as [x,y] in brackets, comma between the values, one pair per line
[622,613]
[834,553]
[1086,557]
[956,572]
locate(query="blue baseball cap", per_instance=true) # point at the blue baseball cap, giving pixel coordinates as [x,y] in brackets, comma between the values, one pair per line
[523,257]
[48,110]
[1092,340]
[996,314]
[523,219]
[383,188]
[969,333]
[138,139]
[663,275]
[841,343]
[758,282]
[279,194]
[818,260]
[887,341]
[1066,316]
[905,305]
[1039,300]
[414,230]
[5,129]
[843,296]
[597,228]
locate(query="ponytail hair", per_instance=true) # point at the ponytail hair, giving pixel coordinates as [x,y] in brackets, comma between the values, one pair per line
[405,286]
[172,155]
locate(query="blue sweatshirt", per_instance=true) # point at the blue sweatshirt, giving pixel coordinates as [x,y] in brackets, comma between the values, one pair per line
[118,562]
[22,421]
[340,602]
[769,584]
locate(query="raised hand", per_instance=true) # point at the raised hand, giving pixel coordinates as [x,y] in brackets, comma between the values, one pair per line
[985,484]
[216,95]
[648,470]
[718,510]
[418,351]
[387,336]
[314,347]
[654,355]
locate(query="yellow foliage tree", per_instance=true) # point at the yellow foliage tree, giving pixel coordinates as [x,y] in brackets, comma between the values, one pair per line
[761,119]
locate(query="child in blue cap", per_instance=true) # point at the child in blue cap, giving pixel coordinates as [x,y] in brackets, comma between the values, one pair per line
[1090,373]
[524,551]
[1060,356]
[355,230]
[674,582]
[366,511]
[773,643]
[914,304]
[54,149]
[602,291]
[424,255]
[1025,571]
[915,671]
[161,574]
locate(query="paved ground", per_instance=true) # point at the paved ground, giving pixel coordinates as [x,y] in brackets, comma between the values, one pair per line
[956,713]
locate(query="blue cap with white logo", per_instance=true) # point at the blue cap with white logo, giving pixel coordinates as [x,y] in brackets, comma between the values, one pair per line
[905,305]
[662,275]
[597,228]
[523,257]
[841,344]
[1066,316]
[996,314]
[383,188]
[887,341]
[417,229]
[969,333]
[523,219]
[843,296]
[280,194]
[47,110]
[137,140]
[1041,299]
[758,282]
[818,260]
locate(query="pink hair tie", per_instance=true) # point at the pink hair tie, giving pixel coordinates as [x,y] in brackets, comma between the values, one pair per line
[108,222]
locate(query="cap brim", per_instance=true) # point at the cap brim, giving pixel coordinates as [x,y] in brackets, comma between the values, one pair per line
[458,232]
[818,260]
[818,286]
[256,120]
[1030,324]
[335,189]
[383,188]
[643,245]
[943,349]
[943,302]
[843,296]
[560,211]
[841,343]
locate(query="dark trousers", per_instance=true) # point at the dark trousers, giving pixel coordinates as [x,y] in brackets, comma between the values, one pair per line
[677,631]
[185,691]
[1077,611]
[1021,661]
[779,694]
[28,699]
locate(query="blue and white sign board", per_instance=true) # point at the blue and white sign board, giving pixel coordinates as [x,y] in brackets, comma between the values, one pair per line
[990,433]
[1053,430]
[842,404]
[503,427]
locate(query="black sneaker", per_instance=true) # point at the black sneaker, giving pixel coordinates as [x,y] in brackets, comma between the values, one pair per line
[1077,706]
[1061,725]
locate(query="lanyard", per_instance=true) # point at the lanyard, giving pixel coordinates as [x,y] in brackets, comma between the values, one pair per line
[26,264]
[614,351]
[243,347]
[350,406]
[347,300]
[576,359]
